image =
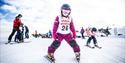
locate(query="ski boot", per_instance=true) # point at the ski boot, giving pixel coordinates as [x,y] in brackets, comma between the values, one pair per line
[8,42]
[51,58]
[20,41]
[77,56]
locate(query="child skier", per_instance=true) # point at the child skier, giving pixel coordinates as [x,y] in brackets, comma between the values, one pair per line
[91,32]
[19,36]
[26,32]
[63,29]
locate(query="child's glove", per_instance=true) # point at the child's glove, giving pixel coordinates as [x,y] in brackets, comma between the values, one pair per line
[55,35]
[74,35]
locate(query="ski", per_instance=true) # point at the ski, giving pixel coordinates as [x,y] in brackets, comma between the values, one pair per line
[90,46]
[77,57]
[98,47]
[49,59]
[78,60]
[6,43]
[13,42]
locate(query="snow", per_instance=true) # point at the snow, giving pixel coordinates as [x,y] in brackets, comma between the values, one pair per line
[35,48]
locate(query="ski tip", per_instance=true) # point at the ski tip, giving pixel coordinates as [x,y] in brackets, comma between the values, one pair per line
[99,47]
[6,43]
[93,47]
[78,61]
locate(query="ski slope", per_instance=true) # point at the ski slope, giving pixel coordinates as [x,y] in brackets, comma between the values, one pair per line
[40,14]
[33,50]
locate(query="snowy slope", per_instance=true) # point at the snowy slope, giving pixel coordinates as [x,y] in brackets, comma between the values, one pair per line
[112,51]
[98,13]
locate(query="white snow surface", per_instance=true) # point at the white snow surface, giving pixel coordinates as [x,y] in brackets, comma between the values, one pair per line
[34,50]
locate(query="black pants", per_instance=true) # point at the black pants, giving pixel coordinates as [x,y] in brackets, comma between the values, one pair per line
[13,32]
[83,35]
[27,35]
[19,37]
[94,40]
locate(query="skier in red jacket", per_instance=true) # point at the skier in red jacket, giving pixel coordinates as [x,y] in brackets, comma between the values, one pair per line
[16,24]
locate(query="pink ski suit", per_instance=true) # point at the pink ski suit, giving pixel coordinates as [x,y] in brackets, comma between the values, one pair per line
[60,32]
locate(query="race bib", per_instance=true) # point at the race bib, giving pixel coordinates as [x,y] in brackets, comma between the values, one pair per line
[64,25]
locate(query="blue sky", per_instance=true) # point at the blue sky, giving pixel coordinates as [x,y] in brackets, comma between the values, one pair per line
[2,2]
[6,14]
[2,11]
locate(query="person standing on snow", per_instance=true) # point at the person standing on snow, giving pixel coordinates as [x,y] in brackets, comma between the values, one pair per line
[49,34]
[82,33]
[26,32]
[16,24]
[19,36]
[63,29]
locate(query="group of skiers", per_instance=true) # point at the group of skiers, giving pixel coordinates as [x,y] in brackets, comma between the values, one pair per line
[91,33]
[18,28]
[63,28]
[46,35]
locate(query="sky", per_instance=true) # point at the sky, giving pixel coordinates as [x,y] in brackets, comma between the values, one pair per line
[40,14]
